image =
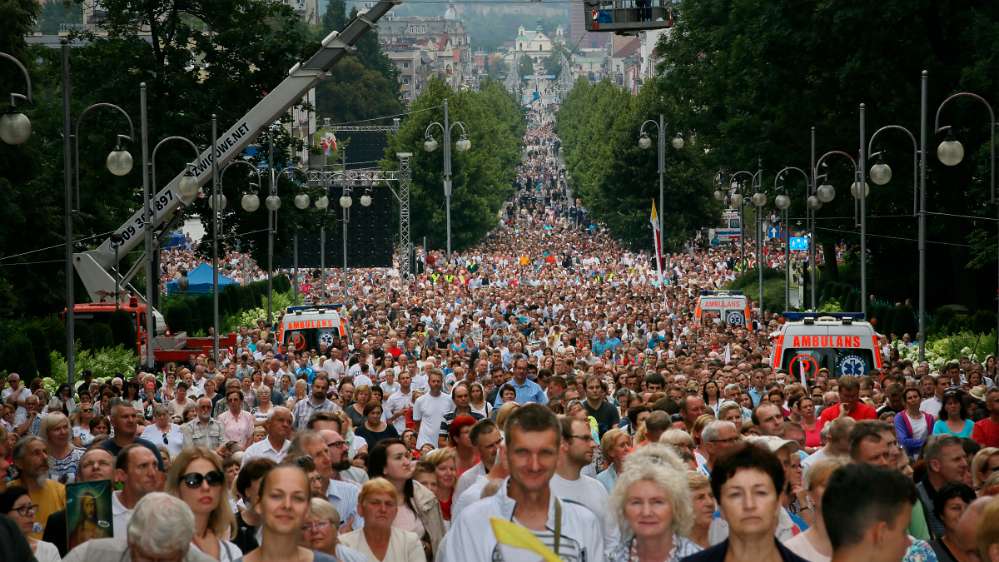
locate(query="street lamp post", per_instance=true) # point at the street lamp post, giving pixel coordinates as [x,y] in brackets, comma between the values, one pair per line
[188,190]
[783,202]
[881,174]
[759,200]
[15,128]
[741,202]
[302,202]
[950,152]
[825,193]
[430,145]
[645,142]
[250,202]
[273,204]
[119,163]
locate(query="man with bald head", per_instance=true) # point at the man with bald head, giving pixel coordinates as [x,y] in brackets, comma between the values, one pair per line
[275,445]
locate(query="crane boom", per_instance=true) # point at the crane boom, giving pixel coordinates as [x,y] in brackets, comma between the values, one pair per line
[96,266]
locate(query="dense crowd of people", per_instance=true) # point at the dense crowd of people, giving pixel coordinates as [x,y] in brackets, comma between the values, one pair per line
[178,261]
[542,396]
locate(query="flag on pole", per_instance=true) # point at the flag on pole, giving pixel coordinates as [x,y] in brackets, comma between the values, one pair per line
[657,242]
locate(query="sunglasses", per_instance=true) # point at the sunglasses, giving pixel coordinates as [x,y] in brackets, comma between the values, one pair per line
[194,480]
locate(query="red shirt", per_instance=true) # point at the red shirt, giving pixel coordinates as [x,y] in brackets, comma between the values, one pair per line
[860,412]
[986,433]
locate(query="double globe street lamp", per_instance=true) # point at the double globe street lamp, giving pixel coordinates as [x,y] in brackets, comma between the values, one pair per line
[645,142]
[430,144]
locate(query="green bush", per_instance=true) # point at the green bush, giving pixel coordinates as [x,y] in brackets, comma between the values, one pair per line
[18,356]
[40,347]
[108,362]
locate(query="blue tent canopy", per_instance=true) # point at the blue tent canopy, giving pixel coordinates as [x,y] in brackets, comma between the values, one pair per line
[199,282]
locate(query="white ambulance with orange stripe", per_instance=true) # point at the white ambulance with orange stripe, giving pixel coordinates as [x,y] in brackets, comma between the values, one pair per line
[841,342]
[729,307]
[305,327]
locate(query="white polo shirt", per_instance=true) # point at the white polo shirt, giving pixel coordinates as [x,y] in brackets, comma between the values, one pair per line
[265,449]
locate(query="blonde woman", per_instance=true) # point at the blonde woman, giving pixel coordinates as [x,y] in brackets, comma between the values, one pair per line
[263,407]
[446,471]
[985,464]
[379,539]
[615,446]
[198,479]
[703,504]
[64,456]
[652,502]
[362,395]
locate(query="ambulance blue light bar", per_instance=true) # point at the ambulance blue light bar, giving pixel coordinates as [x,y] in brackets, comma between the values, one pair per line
[799,316]
[303,308]
[706,293]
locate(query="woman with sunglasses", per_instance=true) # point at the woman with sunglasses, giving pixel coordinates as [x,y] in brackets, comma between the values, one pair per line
[16,504]
[196,477]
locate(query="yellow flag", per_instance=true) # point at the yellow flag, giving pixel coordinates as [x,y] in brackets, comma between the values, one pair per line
[512,534]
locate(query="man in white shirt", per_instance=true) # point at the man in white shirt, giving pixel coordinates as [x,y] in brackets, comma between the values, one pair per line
[533,439]
[429,410]
[399,403]
[137,469]
[486,437]
[162,430]
[569,484]
[16,396]
[275,446]
[932,404]
[334,366]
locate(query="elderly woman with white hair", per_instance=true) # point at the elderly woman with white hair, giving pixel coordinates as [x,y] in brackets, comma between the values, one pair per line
[651,499]
[319,532]
[161,528]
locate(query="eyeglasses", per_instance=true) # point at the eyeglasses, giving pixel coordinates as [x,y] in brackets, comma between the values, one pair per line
[26,510]
[337,444]
[316,526]
[586,437]
[165,440]
[86,410]
[194,480]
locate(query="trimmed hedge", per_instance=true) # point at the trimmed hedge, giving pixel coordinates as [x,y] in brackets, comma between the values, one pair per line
[193,313]
[26,345]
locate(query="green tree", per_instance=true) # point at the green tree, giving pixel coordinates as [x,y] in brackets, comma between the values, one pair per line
[482,177]
[335,16]
[553,64]
[617,180]
[751,77]
[362,85]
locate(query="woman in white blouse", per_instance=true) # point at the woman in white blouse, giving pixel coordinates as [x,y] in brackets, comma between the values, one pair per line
[378,504]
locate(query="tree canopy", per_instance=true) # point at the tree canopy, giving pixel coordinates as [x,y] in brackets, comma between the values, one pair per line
[751,77]
[616,179]
[482,177]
